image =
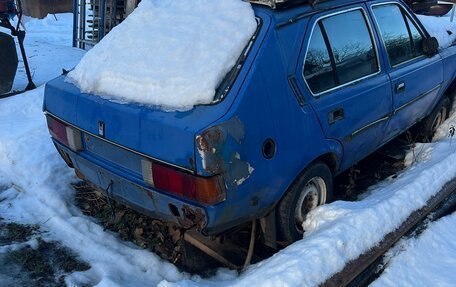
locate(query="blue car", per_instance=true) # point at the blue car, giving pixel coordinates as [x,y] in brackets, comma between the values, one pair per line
[319,87]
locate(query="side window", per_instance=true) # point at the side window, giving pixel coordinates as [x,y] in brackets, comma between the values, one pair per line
[395,33]
[417,38]
[341,50]
[318,70]
[351,45]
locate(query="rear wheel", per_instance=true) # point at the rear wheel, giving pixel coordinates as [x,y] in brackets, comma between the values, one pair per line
[312,189]
[429,125]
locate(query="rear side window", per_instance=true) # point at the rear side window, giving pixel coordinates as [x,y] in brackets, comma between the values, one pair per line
[318,70]
[340,51]
[401,37]
[351,45]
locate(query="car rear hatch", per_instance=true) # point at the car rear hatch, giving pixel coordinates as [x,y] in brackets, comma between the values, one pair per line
[167,137]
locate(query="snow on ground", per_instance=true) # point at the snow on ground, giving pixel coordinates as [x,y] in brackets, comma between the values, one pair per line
[163,55]
[35,188]
[441,28]
[341,231]
[48,48]
[428,260]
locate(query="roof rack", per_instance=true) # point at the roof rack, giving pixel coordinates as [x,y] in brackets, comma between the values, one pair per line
[279,4]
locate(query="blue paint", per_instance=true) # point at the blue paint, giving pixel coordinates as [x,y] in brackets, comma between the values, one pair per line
[261,105]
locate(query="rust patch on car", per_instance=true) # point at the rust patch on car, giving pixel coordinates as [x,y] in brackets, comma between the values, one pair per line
[217,149]
[210,143]
[192,218]
[148,192]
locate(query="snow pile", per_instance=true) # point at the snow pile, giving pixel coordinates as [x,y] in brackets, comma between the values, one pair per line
[441,28]
[35,188]
[341,231]
[35,182]
[171,54]
[428,260]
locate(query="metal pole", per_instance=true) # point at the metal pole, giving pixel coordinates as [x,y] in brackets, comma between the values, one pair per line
[102,21]
[82,23]
[20,38]
[75,22]
[452,12]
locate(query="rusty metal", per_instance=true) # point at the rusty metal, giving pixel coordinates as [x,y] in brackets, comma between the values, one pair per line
[357,266]
[253,234]
[212,253]
[374,271]
[218,147]
[192,218]
[80,175]
[147,192]
[269,229]
[210,144]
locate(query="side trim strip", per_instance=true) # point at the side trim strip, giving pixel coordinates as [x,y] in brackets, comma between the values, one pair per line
[120,146]
[368,126]
[417,98]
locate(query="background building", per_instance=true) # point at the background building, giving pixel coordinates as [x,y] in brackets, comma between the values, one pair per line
[40,8]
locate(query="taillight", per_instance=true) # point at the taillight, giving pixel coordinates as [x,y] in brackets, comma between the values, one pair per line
[207,190]
[65,134]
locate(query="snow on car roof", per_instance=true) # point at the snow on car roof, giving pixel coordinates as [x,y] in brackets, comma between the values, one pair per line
[171,54]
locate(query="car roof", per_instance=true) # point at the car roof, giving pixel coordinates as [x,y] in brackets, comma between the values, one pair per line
[284,4]
[287,11]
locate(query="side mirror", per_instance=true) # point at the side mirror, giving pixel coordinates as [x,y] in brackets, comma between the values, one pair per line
[430,46]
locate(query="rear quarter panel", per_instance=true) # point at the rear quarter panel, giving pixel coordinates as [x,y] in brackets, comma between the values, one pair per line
[265,108]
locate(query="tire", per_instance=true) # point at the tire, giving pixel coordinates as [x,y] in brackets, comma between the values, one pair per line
[311,189]
[429,125]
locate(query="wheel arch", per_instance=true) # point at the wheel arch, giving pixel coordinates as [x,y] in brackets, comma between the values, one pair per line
[330,159]
[451,91]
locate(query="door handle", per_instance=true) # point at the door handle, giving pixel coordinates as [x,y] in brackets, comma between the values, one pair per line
[335,115]
[400,87]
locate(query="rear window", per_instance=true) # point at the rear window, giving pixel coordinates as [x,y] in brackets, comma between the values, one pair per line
[231,76]
[341,51]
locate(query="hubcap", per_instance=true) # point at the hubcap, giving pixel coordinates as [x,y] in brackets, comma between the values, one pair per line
[312,195]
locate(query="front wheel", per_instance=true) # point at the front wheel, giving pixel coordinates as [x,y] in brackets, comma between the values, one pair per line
[312,189]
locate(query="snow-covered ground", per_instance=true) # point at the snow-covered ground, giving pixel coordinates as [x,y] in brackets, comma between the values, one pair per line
[35,189]
[48,46]
[428,260]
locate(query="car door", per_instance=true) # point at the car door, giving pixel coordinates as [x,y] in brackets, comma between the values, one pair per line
[415,78]
[345,84]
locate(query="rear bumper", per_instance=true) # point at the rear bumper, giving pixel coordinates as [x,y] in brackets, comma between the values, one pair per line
[128,190]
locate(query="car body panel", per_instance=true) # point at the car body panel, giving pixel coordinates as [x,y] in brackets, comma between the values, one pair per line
[268,102]
[366,104]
